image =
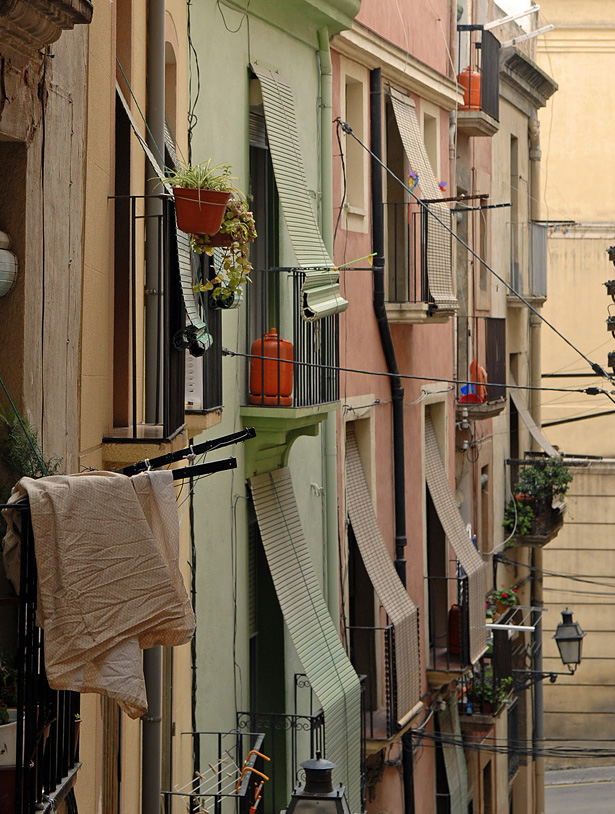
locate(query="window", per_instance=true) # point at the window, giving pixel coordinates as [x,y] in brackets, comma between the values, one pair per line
[355,110]
[431,135]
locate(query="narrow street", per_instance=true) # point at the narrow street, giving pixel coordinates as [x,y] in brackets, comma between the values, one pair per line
[590,790]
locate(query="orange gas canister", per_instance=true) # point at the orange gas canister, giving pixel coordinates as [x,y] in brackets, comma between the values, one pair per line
[271,381]
[470,82]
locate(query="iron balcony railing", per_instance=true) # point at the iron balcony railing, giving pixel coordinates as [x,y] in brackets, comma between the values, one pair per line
[369,648]
[449,627]
[274,307]
[227,778]
[489,684]
[289,740]
[48,738]
[482,341]
[160,414]
[478,69]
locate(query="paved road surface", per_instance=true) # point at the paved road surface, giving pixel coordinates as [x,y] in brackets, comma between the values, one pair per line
[591,791]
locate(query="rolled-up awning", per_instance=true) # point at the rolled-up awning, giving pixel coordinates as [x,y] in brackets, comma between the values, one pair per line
[455,530]
[526,417]
[439,254]
[316,640]
[320,293]
[400,609]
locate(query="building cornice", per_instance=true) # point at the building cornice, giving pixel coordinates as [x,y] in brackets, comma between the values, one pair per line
[33,24]
[403,70]
[301,18]
[523,83]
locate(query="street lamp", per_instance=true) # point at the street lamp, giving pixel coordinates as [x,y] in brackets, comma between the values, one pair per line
[569,639]
[317,795]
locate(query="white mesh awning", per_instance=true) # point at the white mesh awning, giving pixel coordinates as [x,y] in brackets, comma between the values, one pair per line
[457,535]
[439,255]
[321,292]
[394,598]
[526,417]
[316,640]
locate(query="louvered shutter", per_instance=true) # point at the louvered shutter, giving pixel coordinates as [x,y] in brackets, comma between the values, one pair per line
[316,640]
[320,293]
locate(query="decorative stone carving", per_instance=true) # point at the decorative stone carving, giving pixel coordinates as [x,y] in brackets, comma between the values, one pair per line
[33,24]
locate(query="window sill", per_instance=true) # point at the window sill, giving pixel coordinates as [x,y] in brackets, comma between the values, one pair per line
[197,421]
[476,123]
[415,313]
[119,451]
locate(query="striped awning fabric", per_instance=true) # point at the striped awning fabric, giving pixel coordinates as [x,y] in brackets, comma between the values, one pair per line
[455,530]
[439,261]
[526,417]
[320,293]
[454,758]
[311,628]
[184,255]
[400,609]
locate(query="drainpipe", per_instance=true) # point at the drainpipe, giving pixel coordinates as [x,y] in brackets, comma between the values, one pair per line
[152,657]
[397,391]
[326,213]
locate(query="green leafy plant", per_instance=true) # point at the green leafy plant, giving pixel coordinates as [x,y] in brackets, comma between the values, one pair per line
[234,268]
[202,176]
[505,596]
[541,482]
[486,690]
[8,686]
[518,517]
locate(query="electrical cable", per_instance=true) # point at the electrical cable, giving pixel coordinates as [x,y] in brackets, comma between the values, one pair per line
[594,365]
[592,391]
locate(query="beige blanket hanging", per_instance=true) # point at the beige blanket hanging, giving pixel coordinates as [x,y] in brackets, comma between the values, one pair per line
[109,583]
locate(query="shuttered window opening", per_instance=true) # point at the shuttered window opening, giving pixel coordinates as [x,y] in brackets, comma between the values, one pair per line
[188,277]
[526,417]
[394,598]
[316,640]
[455,531]
[439,259]
[320,294]
[454,759]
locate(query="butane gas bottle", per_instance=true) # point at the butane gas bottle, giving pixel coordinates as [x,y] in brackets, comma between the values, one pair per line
[470,81]
[271,381]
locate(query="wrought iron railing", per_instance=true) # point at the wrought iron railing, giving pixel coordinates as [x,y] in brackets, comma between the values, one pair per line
[148,397]
[369,648]
[274,302]
[449,626]
[227,778]
[478,69]
[48,737]
[290,739]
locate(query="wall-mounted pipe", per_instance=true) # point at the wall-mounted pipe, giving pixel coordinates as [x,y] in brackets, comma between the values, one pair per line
[397,390]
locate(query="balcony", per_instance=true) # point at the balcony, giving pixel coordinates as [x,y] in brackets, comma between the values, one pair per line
[289,740]
[535,515]
[478,73]
[372,652]
[230,769]
[484,692]
[481,362]
[409,263]
[449,629]
[33,25]
[49,736]
[293,378]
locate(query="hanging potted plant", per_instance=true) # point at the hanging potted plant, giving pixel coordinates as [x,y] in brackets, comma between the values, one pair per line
[504,599]
[201,192]
[232,264]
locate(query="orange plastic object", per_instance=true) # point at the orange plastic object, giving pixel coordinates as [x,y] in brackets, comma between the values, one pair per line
[271,381]
[200,211]
[470,81]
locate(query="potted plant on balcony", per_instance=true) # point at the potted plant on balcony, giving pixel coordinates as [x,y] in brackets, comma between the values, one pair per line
[237,231]
[541,487]
[504,598]
[201,192]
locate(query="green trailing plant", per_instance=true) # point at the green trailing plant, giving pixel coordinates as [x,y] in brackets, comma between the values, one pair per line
[202,176]
[486,690]
[518,517]
[234,268]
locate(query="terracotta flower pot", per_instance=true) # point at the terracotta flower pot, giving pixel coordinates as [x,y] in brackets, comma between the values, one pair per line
[200,211]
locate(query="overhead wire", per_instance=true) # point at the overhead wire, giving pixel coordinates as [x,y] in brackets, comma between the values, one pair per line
[593,365]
